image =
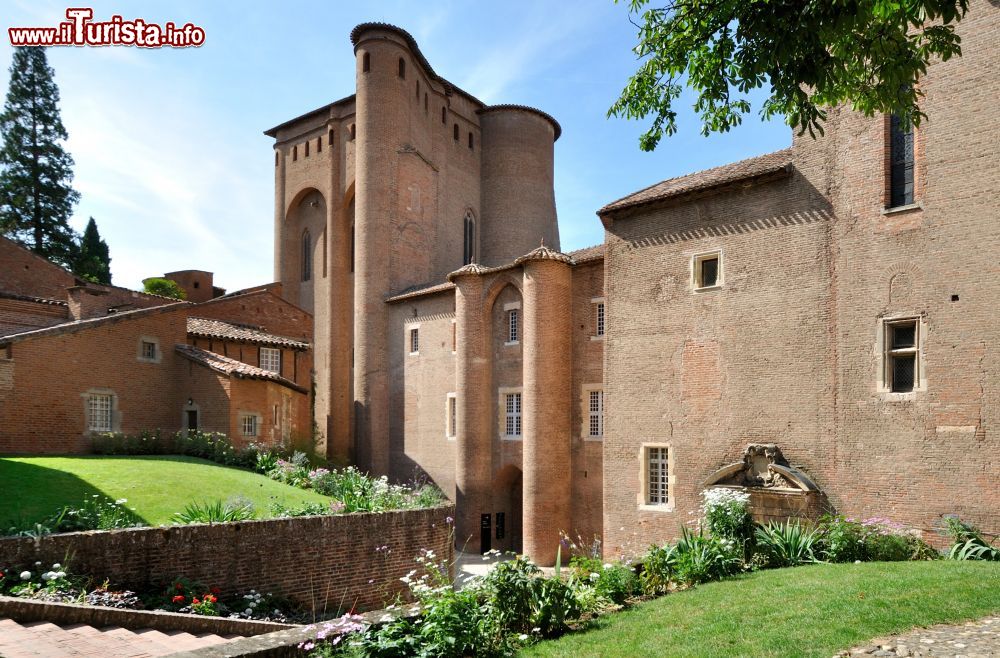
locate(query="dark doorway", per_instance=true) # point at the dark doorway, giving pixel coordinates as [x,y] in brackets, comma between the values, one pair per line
[507,509]
[192,419]
[484,533]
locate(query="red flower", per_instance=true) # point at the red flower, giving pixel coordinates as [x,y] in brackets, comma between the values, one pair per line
[195,601]
[209,598]
[178,599]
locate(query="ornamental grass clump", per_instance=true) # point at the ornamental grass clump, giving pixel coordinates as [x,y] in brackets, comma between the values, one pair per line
[230,511]
[968,542]
[95,512]
[787,544]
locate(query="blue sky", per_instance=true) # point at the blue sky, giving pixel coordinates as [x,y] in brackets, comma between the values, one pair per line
[172,163]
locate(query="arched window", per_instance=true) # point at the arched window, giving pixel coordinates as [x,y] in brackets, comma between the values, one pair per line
[295,153]
[353,133]
[319,144]
[456,132]
[444,114]
[402,68]
[329,137]
[470,140]
[469,242]
[366,63]
[306,255]
[352,246]
[307,148]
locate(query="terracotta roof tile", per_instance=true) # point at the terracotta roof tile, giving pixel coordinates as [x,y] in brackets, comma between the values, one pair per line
[771,164]
[242,333]
[28,298]
[232,367]
[587,254]
[420,291]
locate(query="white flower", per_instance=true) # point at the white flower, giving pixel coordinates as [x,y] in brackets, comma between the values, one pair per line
[25,575]
[608,565]
[60,574]
[522,637]
[38,564]
[57,566]
[248,611]
[594,576]
[46,575]
[857,562]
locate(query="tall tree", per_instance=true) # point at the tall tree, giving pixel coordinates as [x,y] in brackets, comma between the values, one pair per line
[811,53]
[93,261]
[36,195]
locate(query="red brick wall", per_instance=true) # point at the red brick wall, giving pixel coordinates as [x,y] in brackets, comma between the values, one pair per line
[25,273]
[19,315]
[323,562]
[44,410]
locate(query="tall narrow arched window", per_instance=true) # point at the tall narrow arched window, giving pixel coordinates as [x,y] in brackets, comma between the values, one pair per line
[402,68]
[353,132]
[319,144]
[456,132]
[366,63]
[469,242]
[901,162]
[352,246]
[306,256]
[444,114]
[329,137]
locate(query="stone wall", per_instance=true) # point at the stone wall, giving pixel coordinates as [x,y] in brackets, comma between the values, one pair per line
[321,562]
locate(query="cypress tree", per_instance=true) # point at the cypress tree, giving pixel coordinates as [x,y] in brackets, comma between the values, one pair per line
[36,196]
[94,260]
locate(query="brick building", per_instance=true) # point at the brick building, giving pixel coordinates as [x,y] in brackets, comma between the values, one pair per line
[813,324]
[78,358]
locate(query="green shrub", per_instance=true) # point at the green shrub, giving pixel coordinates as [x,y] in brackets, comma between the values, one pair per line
[658,568]
[968,542]
[700,558]
[787,545]
[727,514]
[509,587]
[163,287]
[840,539]
[94,513]
[617,582]
[216,512]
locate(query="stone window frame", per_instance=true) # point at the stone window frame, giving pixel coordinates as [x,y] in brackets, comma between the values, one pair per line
[270,351]
[114,414]
[883,356]
[454,336]
[696,262]
[600,318]
[258,423]
[502,394]
[642,498]
[412,333]
[585,412]
[451,416]
[512,323]
[140,354]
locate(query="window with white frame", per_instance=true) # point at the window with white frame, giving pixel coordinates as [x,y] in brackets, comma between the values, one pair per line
[100,412]
[270,359]
[512,417]
[512,325]
[148,350]
[414,341]
[706,270]
[901,358]
[599,321]
[249,424]
[657,467]
[451,416]
[595,413]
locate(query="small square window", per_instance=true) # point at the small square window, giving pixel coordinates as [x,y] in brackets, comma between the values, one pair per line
[249,425]
[99,412]
[707,270]
[148,350]
[270,359]
[414,341]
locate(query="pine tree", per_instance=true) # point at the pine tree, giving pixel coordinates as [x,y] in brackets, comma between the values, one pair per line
[93,262]
[36,196]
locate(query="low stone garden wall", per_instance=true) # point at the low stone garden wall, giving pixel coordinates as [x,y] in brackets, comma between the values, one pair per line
[781,505]
[325,563]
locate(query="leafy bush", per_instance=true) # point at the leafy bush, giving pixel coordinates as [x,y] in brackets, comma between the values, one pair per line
[94,513]
[658,568]
[508,587]
[787,545]
[213,446]
[968,541]
[617,582]
[727,514]
[553,606]
[216,512]
[841,539]
[163,287]
[700,558]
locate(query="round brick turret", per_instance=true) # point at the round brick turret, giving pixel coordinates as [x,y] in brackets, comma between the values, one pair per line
[518,198]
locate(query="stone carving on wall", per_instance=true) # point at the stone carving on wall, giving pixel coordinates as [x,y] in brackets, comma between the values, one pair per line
[762,466]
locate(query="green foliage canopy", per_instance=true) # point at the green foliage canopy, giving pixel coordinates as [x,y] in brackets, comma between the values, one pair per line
[93,261]
[811,53]
[163,287]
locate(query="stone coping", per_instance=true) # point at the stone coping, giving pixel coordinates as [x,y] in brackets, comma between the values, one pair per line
[29,610]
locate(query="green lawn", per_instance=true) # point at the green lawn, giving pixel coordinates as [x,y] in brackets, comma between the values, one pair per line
[33,488]
[816,610]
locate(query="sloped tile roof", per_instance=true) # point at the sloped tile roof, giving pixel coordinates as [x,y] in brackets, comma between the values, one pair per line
[241,333]
[772,164]
[232,367]
[587,254]
[420,291]
[28,298]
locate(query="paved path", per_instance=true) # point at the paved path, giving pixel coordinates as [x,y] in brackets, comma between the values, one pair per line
[974,639]
[45,640]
